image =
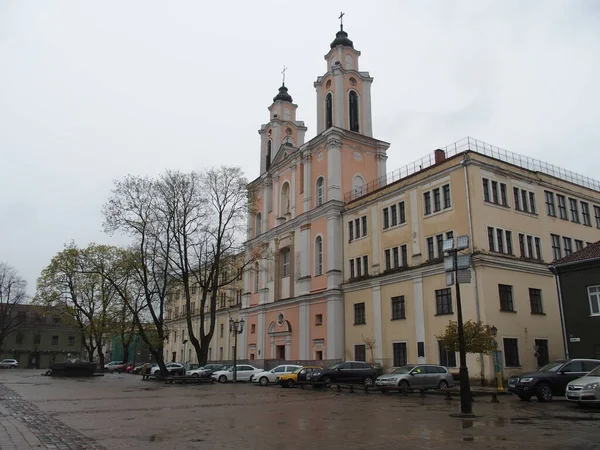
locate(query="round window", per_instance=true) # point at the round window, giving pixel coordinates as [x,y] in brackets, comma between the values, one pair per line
[280,319]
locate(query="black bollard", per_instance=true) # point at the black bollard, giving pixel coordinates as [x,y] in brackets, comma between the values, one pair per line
[448,395]
[494,398]
[339,388]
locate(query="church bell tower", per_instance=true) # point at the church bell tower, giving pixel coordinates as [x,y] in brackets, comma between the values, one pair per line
[344,92]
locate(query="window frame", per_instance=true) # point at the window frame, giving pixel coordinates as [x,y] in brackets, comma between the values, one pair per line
[536,303]
[595,294]
[318,255]
[360,313]
[398,304]
[443,302]
[403,353]
[506,297]
[517,355]
[320,191]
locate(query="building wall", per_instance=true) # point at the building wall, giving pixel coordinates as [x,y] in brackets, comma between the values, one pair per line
[579,322]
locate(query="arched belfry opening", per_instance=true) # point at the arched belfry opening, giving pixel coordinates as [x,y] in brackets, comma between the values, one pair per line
[328,111]
[353,111]
[268,156]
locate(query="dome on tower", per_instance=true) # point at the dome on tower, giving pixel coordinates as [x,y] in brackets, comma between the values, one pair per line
[283,95]
[341,38]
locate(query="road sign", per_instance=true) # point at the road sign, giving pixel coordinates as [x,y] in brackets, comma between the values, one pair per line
[575,339]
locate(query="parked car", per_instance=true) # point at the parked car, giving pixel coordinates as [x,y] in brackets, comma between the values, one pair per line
[551,379]
[138,369]
[416,376]
[114,366]
[299,375]
[345,372]
[210,368]
[173,368]
[244,372]
[132,366]
[9,364]
[196,372]
[586,389]
[270,376]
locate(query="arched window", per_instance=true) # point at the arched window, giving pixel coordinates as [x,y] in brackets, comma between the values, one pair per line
[328,111]
[256,275]
[320,191]
[357,186]
[285,199]
[319,255]
[268,158]
[285,263]
[353,103]
[258,226]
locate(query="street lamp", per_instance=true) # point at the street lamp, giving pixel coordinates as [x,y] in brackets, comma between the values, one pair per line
[236,327]
[184,351]
[457,271]
[497,360]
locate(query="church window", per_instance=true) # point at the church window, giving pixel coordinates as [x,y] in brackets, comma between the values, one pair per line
[285,263]
[319,255]
[328,111]
[258,227]
[285,199]
[328,84]
[269,145]
[358,189]
[353,102]
[320,191]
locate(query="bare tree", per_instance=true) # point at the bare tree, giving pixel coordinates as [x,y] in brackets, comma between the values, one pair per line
[370,343]
[12,294]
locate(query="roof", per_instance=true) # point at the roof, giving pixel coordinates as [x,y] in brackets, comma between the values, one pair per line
[589,253]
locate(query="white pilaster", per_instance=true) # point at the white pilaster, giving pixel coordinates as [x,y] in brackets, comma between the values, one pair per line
[263,147]
[293,192]
[320,110]
[334,169]
[414,223]
[243,338]
[304,330]
[366,108]
[276,181]
[375,251]
[304,248]
[419,318]
[335,327]
[338,98]
[377,326]
[381,167]
[266,203]
[260,338]
[276,137]
[334,250]
[307,184]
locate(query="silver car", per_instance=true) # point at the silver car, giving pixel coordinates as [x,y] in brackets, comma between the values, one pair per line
[417,376]
[585,389]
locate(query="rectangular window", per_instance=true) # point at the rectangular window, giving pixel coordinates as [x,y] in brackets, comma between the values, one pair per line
[538,248]
[495,192]
[366,264]
[358,267]
[443,301]
[351,230]
[427,202]
[71,341]
[54,340]
[359,314]
[574,210]
[525,203]
[568,246]
[550,207]
[511,352]
[222,330]
[562,206]
[486,190]
[352,271]
[517,199]
[585,214]
[364,225]
[398,308]
[285,270]
[437,200]
[388,259]
[491,239]
[578,245]
[447,357]
[506,297]
[535,301]
[522,245]
[594,298]
[503,196]
[597,215]
[360,352]
[319,319]
[440,245]
[386,218]
[253,328]
[399,352]
[394,215]
[532,205]
[530,247]
[396,257]
[404,251]
[402,211]
[500,241]
[447,196]
[541,352]
[430,249]
[556,252]
[357,228]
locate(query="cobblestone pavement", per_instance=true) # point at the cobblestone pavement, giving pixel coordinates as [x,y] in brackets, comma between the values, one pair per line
[121,411]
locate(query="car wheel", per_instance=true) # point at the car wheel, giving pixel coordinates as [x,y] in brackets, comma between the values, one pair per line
[263,381]
[289,383]
[525,398]
[368,381]
[222,379]
[543,392]
[403,386]
[327,381]
[443,384]
[195,375]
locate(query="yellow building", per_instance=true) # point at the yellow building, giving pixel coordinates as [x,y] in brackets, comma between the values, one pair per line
[520,214]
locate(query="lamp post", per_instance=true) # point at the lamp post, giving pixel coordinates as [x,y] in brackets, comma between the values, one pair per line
[497,361]
[457,271]
[236,327]
[184,351]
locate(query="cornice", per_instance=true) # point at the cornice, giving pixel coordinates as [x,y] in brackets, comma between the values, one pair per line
[302,299]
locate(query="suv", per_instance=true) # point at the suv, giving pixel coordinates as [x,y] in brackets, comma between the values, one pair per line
[345,372]
[9,364]
[551,379]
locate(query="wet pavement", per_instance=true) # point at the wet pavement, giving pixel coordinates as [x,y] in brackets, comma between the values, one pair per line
[121,411]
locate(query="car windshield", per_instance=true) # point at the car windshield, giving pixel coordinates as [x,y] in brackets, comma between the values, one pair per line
[403,370]
[595,372]
[297,370]
[551,367]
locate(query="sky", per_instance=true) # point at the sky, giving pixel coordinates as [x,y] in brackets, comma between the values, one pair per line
[92,91]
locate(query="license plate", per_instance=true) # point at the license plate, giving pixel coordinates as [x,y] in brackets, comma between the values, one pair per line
[512,384]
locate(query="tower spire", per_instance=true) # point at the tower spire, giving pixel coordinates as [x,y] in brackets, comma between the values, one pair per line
[341,21]
[283,74]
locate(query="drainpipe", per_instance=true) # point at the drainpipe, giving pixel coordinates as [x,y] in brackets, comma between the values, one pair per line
[562,315]
[475,285]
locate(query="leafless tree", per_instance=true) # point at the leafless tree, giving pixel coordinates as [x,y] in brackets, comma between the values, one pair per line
[12,294]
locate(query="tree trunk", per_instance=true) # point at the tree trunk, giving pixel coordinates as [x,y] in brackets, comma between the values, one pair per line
[125,352]
[101,358]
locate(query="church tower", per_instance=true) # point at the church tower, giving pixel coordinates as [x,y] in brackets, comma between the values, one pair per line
[344,93]
[282,130]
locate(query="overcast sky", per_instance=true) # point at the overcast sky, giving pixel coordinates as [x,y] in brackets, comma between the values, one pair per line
[91,91]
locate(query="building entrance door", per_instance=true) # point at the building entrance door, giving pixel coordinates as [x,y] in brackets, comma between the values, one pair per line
[34,360]
[280,352]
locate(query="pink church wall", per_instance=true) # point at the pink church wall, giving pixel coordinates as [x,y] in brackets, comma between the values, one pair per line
[318,227]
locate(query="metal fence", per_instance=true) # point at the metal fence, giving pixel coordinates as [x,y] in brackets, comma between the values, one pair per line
[476,146]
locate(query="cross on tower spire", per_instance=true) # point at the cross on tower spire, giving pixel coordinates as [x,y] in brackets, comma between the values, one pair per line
[283,74]
[341,20]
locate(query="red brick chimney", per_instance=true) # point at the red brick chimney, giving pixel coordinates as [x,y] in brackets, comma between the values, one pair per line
[440,156]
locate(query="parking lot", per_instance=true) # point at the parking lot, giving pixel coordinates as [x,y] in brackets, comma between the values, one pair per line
[121,411]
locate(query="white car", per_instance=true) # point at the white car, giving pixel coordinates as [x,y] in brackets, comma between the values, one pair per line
[195,372]
[111,365]
[270,376]
[585,389]
[9,364]
[172,368]
[244,373]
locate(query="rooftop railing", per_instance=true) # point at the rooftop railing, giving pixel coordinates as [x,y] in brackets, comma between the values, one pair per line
[477,146]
